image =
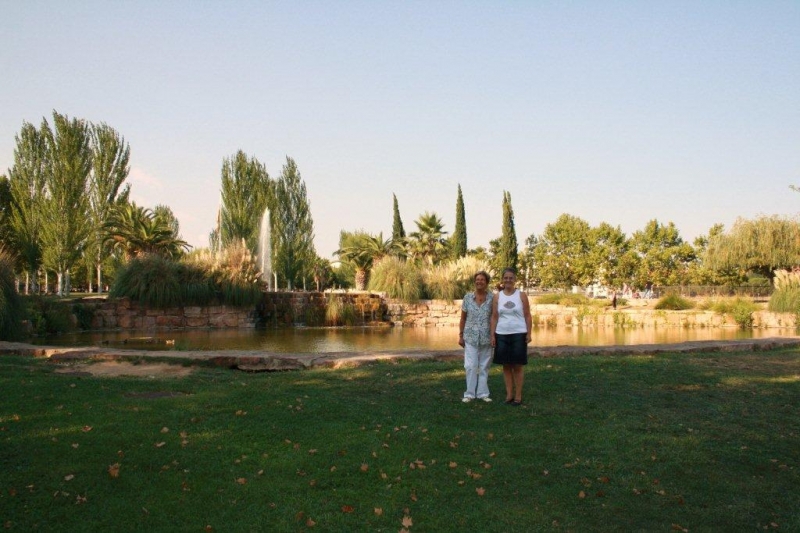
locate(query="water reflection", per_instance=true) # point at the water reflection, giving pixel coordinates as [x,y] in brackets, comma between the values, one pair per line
[327,340]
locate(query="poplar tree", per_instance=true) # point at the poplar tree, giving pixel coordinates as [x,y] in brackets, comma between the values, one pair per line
[398,233]
[27,191]
[246,192]
[110,168]
[459,239]
[292,227]
[507,251]
[65,217]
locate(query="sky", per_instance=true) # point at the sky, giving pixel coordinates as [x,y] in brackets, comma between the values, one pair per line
[617,112]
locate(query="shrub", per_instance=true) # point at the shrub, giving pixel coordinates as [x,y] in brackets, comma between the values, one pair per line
[464,270]
[339,313]
[12,309]
[566,299]
[785,301]
[47,316]
[397,278]
[673,302]
[440,283]
[150,280]
[84,314]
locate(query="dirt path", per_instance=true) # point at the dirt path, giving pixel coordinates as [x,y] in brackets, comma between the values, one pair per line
[174,363]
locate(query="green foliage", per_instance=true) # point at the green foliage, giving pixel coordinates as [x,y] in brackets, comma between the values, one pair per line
[673,302]
[12,309]
[561,253]
[458,242]
[398,232]
[84,314]
[507,254]
[361,250]
[428,243]
[292,227]
[785,300]
[563,298]
[246,192]
[228,277]
[663,256]
[439,283]
[741,309]
[398,278]
[48,316]
[339,312]
[761,245]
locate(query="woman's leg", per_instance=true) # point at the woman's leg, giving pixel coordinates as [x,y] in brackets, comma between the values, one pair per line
[508,378]
[484,362]
[518,373]
[471,366]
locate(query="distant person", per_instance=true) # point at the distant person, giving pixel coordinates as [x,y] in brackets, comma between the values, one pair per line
[474,336]
[511,334]
[614,299]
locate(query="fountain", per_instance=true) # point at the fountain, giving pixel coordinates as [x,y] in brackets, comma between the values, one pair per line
[265,250]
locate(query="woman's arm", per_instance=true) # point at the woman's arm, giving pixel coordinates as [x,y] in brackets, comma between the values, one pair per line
[461,328]
[526,310]
[493,321]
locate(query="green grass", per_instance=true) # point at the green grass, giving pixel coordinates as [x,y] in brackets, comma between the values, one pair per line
[707,442]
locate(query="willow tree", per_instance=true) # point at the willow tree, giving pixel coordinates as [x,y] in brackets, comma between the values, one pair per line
[292,228]
[245,194]
[761,246]
[107,188]
[26,181]
[458,242]
[65,217]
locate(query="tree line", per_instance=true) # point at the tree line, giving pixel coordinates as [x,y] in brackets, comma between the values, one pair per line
[65,208]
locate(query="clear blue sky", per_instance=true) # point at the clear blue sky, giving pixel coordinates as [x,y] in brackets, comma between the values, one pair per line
[618,112]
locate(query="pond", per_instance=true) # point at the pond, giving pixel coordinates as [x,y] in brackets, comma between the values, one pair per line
[377,339]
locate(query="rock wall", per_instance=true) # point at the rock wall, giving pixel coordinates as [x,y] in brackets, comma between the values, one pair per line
[124,314]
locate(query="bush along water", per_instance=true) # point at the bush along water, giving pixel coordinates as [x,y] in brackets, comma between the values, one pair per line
[12,309]
[786,296]
[673,302]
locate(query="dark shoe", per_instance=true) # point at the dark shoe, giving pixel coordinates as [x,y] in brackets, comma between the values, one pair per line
[509,401]
[516,403]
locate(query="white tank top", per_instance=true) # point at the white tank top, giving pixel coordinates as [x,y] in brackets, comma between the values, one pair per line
[510,318]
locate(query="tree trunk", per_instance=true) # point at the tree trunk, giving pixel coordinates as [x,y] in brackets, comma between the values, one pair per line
[361,279]
[99,278]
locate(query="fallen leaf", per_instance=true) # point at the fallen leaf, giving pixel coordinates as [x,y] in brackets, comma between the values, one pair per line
[378,511]
[452,464]
[86,429]
[581,495]
[75,445]
[69,477]
[310,523]
[364,467]
[165,430]
[312,451]
[347,508]
[80,499]
[481,491]
[209,528]
[603,479]
[113,470]
[407,521]
[260,472]
[545,472]
[241,481]
[413,496]
[159,444]
[333,469]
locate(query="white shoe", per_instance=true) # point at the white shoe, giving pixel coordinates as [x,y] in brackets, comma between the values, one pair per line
[466,400]
[486,399]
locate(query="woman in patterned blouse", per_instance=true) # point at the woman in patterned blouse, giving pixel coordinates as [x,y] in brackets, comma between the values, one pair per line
[474,337]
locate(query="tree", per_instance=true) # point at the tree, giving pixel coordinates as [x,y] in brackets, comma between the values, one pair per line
[607,247]
[110,168]
[246,193]
[292,227]
[135,231]
[664,257]
[398,233]
[761,245]
[362,250]
[458,243]
[27,190]
[507,253]
[5,213]
[528,268]
[428,243]
[561,253]
[65,217]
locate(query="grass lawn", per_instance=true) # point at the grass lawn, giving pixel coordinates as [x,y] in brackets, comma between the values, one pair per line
[707,442]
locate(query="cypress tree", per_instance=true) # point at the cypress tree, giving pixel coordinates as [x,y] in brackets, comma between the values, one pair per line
[398,233]
[459,241]
[507,254]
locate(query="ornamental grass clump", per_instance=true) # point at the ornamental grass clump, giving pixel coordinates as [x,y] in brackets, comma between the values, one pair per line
[673,302]
[398,278]
[786,297]
[440,283]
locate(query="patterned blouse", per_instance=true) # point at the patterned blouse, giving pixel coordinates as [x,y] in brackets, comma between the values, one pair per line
[476,328]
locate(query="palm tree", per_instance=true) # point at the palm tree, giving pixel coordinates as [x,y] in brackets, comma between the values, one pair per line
[361,250]
[428,242]
[137,231]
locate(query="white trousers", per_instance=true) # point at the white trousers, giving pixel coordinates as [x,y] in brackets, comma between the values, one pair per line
[477,360]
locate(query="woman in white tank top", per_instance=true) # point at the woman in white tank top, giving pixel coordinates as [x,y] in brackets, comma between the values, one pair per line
[511,334]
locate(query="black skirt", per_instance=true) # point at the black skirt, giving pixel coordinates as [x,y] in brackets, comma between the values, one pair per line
[511,349]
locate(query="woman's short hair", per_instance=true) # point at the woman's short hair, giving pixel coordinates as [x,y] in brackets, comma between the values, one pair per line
[509,269]
[483,273]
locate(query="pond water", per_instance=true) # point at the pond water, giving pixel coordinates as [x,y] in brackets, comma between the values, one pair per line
[376,339]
